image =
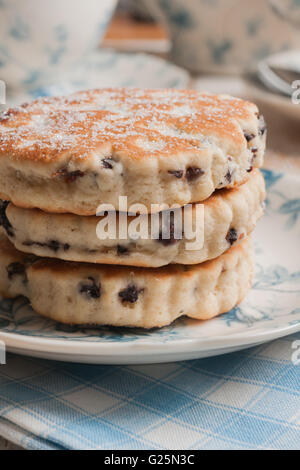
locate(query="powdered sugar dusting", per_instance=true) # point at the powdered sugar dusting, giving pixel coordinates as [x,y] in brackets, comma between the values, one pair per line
[137,122]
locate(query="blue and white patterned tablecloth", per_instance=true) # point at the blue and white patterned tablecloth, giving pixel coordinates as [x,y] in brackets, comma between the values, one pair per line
[249,399]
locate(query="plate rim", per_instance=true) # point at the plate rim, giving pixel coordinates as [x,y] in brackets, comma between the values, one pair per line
[103,349]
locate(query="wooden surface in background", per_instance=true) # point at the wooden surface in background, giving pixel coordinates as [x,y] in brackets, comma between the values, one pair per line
[128,35]
[123,27]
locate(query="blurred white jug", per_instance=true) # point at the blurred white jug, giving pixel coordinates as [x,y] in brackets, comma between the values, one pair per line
[38,36]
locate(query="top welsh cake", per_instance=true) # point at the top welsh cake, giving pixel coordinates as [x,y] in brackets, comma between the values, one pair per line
[157,147]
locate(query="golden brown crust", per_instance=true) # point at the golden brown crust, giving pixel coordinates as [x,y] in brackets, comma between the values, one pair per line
[60,267]
[156,147]
[122,121]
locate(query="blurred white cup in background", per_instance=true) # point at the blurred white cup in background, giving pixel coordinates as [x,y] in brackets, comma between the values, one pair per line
[226,36]
[38,37]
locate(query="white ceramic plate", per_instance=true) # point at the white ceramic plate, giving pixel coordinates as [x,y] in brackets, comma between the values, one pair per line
[106,68]
[271,310]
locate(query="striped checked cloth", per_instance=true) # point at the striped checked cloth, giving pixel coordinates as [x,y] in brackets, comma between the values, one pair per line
[245,400]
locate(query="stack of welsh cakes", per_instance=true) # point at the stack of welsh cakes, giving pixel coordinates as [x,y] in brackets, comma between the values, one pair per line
[80,174]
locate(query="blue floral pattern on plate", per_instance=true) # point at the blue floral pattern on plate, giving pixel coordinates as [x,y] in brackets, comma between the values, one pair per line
[273,303]
[106,69]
